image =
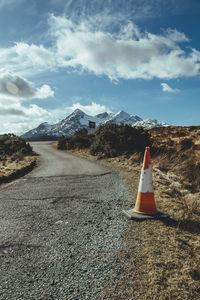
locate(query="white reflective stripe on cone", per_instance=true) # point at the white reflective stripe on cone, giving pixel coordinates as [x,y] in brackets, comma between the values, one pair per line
[146,181]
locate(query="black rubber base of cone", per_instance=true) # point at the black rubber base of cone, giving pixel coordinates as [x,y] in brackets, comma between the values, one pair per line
[135,216]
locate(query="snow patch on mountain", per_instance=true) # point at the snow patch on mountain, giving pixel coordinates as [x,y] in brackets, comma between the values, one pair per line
[78,120]
[149,123]
[123,117]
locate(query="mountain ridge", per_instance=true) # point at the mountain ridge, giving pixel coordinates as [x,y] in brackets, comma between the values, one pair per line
[78,120]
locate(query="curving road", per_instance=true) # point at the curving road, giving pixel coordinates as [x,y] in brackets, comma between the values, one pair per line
[58,163]
[60,229]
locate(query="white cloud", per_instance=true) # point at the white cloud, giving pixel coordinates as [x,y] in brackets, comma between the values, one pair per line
[167,88]
[16,127]
[16,118]
[35,55]
[44,92]
[14,91]
[13,86]
[92,109]
[92,46]
[27,60]
[128,54]
[17,109]
[16,87]
[11,111]
[35,111]
[176,35]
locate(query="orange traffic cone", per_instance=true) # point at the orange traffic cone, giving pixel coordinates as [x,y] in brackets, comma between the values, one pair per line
[145,206]
[145,203]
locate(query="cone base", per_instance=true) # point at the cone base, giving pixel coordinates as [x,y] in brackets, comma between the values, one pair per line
[155,212]
[132,215]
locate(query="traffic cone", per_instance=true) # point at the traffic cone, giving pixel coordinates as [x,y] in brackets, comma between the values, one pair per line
[145,203]
[145,206]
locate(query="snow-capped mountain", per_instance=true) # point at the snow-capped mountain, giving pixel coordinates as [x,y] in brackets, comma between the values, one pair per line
[78,119]
[68,126]
[123,117]
[148,124]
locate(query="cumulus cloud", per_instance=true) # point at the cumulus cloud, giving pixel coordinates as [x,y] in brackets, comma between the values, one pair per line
[14,90]
[16,118]
[19,125]
[11,111]
[127,54]
[14,86]
[16,127]
[34,54]
[92,109]
[44,92]
[92,45]
[167,88]
[28,60]
[17,109]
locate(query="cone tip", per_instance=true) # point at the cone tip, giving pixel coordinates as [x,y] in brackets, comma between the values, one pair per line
[147,158]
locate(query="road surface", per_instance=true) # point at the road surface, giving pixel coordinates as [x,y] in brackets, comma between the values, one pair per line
[60,229]
[58,163]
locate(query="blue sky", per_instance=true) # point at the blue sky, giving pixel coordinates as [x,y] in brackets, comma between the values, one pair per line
[140,56]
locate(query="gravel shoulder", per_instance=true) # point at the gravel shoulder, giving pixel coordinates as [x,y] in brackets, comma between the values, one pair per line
[60,235]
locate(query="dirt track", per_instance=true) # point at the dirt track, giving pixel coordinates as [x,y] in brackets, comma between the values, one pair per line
[60,229]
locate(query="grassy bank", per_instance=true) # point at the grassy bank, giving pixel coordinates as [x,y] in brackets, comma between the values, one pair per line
[16,157]
[10,170]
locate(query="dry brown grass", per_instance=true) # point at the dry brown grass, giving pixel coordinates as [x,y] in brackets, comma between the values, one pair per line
[159,259]
[178,149]
[12,165]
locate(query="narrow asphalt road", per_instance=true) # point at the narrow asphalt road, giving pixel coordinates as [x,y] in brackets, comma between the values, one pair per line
[60,229]
[58,163]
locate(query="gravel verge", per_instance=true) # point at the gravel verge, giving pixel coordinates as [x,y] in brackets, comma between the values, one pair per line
[60,236]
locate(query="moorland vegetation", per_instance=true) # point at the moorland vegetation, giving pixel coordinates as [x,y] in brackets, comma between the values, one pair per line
[110,140]
[16,157]
[159,260]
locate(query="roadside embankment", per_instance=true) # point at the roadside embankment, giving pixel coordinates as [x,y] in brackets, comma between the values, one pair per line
[10,170]
[16,157]
[159,260]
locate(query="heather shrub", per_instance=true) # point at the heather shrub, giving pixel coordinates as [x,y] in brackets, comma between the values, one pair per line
[186,143]
[112,140]
[80,140]
[190,171]
[11,144]
[62,140]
